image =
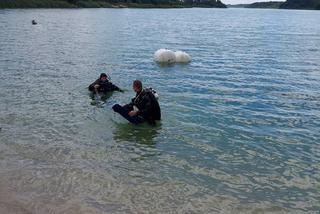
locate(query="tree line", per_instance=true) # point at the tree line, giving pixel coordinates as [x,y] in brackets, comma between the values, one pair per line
[301,4]
[108,3]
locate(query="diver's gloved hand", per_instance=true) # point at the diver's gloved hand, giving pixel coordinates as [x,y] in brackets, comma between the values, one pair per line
[132,113]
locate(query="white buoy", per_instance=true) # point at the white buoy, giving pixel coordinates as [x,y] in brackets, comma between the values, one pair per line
[182,57]
[164,56]
[168,56]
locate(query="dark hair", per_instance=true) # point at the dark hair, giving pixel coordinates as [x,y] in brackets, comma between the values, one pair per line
[138,84]
[103,75]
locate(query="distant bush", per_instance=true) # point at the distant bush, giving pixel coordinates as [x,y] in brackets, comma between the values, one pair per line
[87,4]
[92,4]
[270,4]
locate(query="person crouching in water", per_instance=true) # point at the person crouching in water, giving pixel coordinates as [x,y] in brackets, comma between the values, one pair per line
[103,85]
[144,107]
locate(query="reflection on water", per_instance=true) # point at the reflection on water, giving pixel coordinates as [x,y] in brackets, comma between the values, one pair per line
[142,134]
[99,99]
[137,140]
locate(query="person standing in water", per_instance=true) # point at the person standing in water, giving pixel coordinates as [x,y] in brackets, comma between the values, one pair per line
[103,85]
[143,107]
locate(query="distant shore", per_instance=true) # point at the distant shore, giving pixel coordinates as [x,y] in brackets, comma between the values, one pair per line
[289,4]
[7,4]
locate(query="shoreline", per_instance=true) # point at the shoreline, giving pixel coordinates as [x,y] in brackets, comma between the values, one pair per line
[150,6]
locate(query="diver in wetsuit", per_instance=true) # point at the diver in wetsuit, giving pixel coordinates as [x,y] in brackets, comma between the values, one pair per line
[103,85]
[143,107]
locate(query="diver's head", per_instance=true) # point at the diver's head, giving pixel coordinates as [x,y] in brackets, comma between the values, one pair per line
[137,86]
[103,77]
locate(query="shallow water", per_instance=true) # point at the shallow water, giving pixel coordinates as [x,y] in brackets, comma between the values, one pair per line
[241,123]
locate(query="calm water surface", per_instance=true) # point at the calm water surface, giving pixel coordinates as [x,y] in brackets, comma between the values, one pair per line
[241,123]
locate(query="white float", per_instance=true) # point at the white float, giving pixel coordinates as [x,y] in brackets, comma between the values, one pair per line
[182,57]
[168,56]
[164,56]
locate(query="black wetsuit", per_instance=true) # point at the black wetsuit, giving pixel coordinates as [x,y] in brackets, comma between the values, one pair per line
[145,101]
[104,86]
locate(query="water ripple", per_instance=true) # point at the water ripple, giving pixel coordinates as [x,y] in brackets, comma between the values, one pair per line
[240,128]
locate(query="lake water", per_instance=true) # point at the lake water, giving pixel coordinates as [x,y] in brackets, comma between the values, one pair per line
[241,123]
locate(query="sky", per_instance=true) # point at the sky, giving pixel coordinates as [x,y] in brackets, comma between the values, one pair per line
[243,1]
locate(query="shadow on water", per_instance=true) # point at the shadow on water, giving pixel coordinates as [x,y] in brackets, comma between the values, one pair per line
[143,134]
[138,141]
[172,65]
[99,99]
